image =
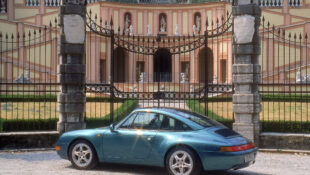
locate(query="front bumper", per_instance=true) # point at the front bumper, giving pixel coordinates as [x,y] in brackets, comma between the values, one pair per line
[63,153]
[213,161]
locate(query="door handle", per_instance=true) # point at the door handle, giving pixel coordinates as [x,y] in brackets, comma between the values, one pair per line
[149,138]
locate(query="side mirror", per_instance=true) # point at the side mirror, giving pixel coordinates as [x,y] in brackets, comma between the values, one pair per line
[112,128]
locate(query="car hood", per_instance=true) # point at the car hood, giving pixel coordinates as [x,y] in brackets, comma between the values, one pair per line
[225,135]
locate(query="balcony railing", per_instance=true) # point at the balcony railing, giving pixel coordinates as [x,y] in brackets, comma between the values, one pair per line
[3,6]
[56,3]
[32,3]
[277,3]
[52,3]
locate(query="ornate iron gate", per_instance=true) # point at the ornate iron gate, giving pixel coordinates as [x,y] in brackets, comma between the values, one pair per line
[181,71]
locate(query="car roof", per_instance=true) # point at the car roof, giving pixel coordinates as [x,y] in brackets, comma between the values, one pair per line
[174,112]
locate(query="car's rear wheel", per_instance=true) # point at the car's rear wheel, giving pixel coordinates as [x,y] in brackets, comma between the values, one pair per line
[82,155]
[182,161]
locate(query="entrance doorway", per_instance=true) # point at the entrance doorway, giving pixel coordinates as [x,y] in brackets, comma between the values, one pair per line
[162,65]
[206,65]
[119,65]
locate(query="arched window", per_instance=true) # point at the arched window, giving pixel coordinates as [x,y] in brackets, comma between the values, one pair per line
[127,19]
[197,22]
[162,22]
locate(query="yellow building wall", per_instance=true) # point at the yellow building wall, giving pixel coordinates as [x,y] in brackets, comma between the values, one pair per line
[17,71]
[3,16]
[49,18]
[8,29]
[40,55]
[174,20]
[185,23]
[284,55]
[2,71]
[115,19]
[13,53]
[95,9]
[296,20]
[263,56]
[274,19]
[279,9]
[51,10]
[102,47]
[19,1]
[151,20]
[25,12]
[30,20]
[297,31]
[140,20]
[300,12]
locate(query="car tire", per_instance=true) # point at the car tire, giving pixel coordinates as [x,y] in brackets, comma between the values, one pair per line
[182,161]
[82,155]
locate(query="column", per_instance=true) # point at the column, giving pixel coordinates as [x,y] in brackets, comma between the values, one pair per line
[71,70]
[246,69]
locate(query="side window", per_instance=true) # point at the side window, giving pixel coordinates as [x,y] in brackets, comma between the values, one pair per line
[128,122]
[145,120]
[171,124]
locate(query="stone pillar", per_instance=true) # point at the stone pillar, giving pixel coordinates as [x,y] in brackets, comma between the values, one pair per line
[246,69]
[71,70]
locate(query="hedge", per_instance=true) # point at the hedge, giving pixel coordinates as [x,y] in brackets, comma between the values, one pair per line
[10,125]
[119,114]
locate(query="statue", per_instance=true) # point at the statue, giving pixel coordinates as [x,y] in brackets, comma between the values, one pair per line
[162,24]
[176,32]
[22,79]
[142,77]
[131,30]
[198,23]
[214,79]
[149,30]
[184,78]
[194,30]
[127,22]
[298,76]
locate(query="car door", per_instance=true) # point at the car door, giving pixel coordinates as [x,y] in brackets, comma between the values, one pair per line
[114,142]
[131,141]
[144,129]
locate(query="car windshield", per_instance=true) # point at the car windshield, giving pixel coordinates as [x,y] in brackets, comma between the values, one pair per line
[199,119]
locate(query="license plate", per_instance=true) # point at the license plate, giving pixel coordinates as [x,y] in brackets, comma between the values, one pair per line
[249,157]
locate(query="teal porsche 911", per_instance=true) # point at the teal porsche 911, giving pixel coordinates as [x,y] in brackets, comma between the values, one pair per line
[183,142]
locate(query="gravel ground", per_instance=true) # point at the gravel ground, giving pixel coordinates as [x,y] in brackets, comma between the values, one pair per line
[49,163]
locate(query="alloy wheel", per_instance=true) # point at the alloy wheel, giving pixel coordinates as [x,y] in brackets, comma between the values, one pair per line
[181,163]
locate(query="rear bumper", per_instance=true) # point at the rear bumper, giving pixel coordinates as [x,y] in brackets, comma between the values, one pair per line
[226,160]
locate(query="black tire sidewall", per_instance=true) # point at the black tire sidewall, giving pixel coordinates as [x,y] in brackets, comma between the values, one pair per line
[94,160]
[196,163]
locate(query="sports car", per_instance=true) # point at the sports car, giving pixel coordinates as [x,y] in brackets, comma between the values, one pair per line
[183,142]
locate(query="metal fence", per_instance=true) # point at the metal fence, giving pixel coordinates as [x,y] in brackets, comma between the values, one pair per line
[181,71]
[285,79]
[28,88]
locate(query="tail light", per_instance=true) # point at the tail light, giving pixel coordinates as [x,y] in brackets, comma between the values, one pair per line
[237,148]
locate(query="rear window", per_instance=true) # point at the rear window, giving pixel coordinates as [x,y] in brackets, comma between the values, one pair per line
[199,119]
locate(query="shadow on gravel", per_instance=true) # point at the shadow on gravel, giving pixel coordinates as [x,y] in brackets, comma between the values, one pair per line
[149,170]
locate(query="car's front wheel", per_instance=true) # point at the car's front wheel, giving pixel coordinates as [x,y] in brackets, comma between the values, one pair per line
[182,161]
[82,155]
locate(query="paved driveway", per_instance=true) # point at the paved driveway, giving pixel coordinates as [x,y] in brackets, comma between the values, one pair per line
[48,163]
